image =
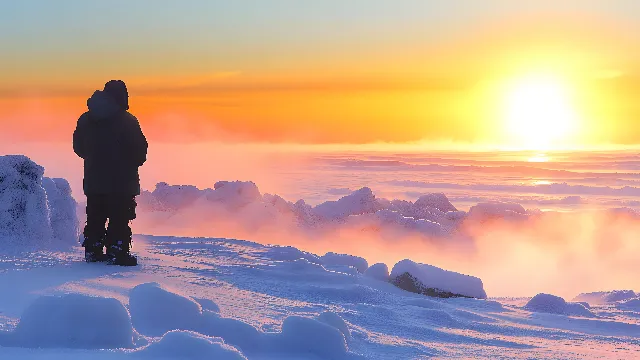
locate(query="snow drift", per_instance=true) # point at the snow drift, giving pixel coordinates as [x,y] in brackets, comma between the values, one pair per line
[156,310]
[190,345]
[431,280]
[35,211]
[552,304]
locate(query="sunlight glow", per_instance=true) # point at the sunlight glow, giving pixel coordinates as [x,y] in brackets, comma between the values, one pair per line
[538,113]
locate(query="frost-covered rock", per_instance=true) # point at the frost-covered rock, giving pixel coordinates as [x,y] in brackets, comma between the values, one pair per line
[172,197]
[433,281]
[378,271]
[74,321]
[191,346]
[62,211]
[278,203]
[605,297]
[234,194]
[357,262]
[359,202]
[552,304]
[35,211]
[156,310]
[24,212]
[436,201]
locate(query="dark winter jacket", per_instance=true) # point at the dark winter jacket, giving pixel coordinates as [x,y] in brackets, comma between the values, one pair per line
[112,144]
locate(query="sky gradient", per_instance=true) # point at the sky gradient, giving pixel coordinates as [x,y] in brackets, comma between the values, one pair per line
[318,72]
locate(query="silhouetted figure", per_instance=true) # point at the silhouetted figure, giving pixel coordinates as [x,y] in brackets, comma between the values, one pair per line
[113,147]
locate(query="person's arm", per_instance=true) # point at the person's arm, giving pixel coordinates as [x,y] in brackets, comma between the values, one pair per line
[138,142]
[79,135]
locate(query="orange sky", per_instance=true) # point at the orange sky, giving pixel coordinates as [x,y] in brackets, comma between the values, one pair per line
[338,76]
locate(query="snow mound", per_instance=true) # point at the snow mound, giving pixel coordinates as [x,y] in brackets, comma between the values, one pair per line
[357,262]
[156,310]
[552,304]
[190,345]
[234,332]
[436,201]
[359,202]
[497,210]
[605,297]
[378,271]
[309,336]
[74,321]
[433,281]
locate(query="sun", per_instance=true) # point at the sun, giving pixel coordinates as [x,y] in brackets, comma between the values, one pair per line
[538,113]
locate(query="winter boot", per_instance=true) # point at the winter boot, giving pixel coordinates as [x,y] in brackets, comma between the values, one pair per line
[119,254]
[94,253]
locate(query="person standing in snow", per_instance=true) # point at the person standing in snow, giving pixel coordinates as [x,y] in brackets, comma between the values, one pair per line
[113,147]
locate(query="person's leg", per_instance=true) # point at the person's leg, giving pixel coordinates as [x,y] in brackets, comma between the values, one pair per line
[122,211]
[94,230]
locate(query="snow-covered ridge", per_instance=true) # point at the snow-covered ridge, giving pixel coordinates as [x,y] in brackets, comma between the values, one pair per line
[430,215]
[34,210]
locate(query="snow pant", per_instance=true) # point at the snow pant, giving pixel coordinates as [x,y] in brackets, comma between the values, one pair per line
[118,210]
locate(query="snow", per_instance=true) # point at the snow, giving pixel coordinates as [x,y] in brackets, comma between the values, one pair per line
[219,298]
[332,319]
[437,201]
[156,310]
[309,336]
[605,297]
[62,207]
[235,194]
[357,262]
[190,345]
[497,210]
[631,304]
[552,304]
[444,280]
[378,271]
[74,321]
[35,211]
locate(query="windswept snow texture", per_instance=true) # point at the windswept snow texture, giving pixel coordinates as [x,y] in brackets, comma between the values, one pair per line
[606,297]
[556,305]
[35,211]
[440,279]
[229,299]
